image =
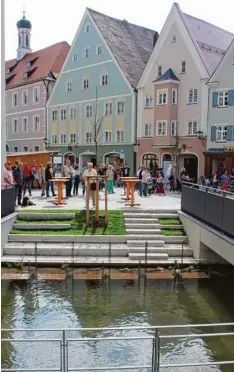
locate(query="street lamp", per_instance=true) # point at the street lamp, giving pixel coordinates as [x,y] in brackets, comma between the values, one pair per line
[46,142]
[200,136]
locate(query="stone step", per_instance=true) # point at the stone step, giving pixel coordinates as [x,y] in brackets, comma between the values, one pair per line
[149,215]
[167,239]
[145,221]
[143,231]
[149,250]
[150,256]
[66,238]
[45,216]
[41,226]
[141,243]
[151,226]
[174,211]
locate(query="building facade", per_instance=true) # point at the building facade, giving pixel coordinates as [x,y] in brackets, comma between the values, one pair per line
[29,81]
[96,88]
[173,95]
[220,141]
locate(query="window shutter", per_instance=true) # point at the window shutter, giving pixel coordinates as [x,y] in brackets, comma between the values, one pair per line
[213,133]
[230,133]
[215,99]
[231,97]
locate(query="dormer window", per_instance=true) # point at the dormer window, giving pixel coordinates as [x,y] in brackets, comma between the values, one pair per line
[25,75]
[8,71]
[31,62]
[87,27]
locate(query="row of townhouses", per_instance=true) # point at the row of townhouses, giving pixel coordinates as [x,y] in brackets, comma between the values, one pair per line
[160,98]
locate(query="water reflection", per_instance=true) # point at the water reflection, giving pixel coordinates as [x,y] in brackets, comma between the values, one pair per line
[114,303]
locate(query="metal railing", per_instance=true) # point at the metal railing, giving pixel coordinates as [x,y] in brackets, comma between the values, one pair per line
[156,337]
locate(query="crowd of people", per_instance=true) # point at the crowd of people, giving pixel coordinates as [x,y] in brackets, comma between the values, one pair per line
[224,180]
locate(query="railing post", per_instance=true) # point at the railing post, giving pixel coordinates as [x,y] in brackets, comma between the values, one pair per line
[64,351]
[156,351]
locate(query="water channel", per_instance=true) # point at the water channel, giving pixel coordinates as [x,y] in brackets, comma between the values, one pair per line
[113,303]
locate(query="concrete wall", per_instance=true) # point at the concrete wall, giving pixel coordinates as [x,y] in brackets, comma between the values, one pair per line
[206,242]
[6,227]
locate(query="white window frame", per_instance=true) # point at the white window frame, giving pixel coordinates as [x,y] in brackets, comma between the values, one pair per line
[24,91]
[157,128]
[159,70]
[87,27]
[85,82]
[88,111]
[13,125]
[54,139]
[223,95]
[107,136]
[99,50]
[25,147]
[54,115]
[63,139]
[88,137]
[72,138]
[69,86]
[36,147]
[75,57]
[86,49]
[36,89]
[104,79]
[193,131]
[119,135]
[149,101]
[147,130]
[120,108]
[63,114]
[173,128]
[174,97]
[24,131]
[220,130]
[15,94]
[34,119]
[162,92]
[108,108]
[193,93]
[183,67]
[72,113]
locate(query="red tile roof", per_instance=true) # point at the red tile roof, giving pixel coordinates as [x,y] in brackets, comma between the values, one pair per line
[48,60]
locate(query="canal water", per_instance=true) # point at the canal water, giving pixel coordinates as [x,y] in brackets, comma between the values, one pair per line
[73,303]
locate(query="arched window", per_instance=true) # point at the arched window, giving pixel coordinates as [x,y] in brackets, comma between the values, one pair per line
[27,41]
[150,161]
[167,157]
[19,41]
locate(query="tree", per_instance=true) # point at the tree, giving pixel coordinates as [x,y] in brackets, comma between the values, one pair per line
[96,128]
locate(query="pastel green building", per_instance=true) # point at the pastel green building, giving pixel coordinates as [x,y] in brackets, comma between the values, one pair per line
[98,80]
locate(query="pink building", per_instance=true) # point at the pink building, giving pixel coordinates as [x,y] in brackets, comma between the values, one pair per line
[29,81]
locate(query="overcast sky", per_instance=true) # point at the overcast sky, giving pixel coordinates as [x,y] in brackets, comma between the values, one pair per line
[54,20]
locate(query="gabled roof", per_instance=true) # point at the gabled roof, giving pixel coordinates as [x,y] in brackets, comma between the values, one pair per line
[229,54]
[46,60]
[168,75]
[130,44]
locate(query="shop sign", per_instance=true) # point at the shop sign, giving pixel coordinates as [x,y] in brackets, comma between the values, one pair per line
[228,148]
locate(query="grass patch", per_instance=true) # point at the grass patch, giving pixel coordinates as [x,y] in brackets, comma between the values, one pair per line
[173,232]
[116,225]
[168,221]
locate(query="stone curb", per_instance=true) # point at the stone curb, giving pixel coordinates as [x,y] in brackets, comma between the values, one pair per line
[37,226]
[45,216]
[68,238]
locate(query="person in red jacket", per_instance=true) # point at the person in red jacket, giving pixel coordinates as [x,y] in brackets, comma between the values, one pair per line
[27,179]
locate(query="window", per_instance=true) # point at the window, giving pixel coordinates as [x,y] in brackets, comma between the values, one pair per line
[173,128]
[120,108]
[147,130]
[161,128]
[99,49]
[173,39]
[192,128]
[36,95]
[120,136]
[159,70]
[73,138]
[27,41]
[14,99]
[182,67]
[88,137]
[104,79]
[63,139]
[223,98]
[69,86]
[107,136]
[192,96]
[54,139]
[162,97]
[24,124]
[87,27]
[148,100]
[221,133]
[25,148]
[15,148]
[174,96]
[24,97]
[108,108]
[19,41]
[14,125]
[36,148]
[75,57]
[85,83]
[150,161]
[89,111]
[72,113]
[36,123]
[54,115]
[87,52]
[63,114]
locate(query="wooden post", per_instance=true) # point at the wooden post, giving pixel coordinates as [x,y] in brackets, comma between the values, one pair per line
[97,199]
[87,201]
[106,220]
[132,193]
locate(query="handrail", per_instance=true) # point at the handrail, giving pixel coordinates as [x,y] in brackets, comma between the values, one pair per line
[206,188]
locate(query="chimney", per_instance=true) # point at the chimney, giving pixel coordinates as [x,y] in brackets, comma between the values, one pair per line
[155,38]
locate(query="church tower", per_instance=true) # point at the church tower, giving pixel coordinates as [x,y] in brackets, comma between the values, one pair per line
[24,37]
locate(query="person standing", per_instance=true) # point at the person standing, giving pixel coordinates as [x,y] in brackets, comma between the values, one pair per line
[18,175]
[225,181]
[76,183]
[87,173]
[35,171]
[8,176]
[144,181]
[42,181]
[139,175]
[110,180]
[83,180]
[49,173]
[27,179]
[68,172]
